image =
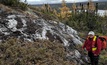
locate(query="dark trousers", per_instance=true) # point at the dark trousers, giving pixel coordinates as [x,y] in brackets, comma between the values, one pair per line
[93,59]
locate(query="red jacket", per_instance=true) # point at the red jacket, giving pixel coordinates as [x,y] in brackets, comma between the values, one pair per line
[88,45]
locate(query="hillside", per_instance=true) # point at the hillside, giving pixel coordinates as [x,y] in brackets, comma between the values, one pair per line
[32,37]
[19,29]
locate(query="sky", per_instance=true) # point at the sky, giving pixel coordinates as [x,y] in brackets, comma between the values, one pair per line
[52,1]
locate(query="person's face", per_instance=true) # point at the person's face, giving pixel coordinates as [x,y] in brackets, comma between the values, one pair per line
[91,36]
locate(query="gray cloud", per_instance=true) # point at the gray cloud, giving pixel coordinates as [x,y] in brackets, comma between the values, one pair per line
[44,1]
[52,1]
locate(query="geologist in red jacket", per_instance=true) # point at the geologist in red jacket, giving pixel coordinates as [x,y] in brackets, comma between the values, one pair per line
[93,46]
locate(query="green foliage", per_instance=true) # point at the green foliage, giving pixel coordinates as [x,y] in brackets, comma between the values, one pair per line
[10,2]
[14,3]
[23,6]
[16,52]
[103,57]
[84,21]
[77,21]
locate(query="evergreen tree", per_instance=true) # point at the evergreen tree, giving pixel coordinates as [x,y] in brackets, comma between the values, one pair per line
[96,8]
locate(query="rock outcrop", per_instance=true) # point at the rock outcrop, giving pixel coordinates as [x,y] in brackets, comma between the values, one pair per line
[28,26]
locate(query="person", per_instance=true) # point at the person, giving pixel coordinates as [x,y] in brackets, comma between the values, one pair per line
[93,45]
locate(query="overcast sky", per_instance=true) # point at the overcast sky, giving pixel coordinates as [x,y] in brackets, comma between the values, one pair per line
[52,1]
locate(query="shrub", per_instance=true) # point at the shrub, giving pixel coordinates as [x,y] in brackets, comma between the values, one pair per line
[23,6]
[10,2]
[14,3]
[14,52]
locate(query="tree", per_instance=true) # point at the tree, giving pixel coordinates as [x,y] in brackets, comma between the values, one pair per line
[74,7]
[64,11]
[47,8]
[91,6]
[63,3]
[82,7]
[96,7]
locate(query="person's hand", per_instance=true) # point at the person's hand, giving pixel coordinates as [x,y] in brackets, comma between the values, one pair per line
[95,55]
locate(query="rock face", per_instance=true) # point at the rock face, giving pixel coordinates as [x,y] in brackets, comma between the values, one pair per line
[21,26]
[29,29]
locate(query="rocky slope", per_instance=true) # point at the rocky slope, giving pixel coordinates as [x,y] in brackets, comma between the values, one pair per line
[29,26]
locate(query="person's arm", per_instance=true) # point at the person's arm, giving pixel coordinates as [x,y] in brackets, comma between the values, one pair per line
[99,45]
[84,45]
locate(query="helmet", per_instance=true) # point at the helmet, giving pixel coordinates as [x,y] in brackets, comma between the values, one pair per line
[91,33]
